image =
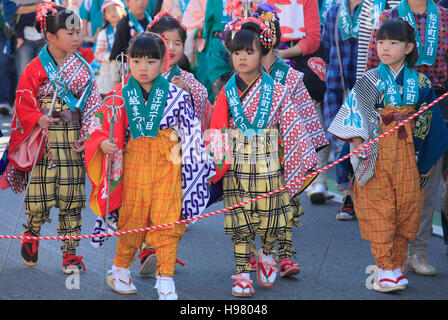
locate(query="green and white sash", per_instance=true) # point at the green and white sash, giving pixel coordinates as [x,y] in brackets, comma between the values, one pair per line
[144,118]
[175,71]
[426,54]
[138,27]
[66,95]
[392,92]
[378,7]
[110,36]
[348,27]
[279,71]
[326,5]
[264,107]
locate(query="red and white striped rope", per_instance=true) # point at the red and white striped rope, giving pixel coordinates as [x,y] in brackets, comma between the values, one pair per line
[242,203]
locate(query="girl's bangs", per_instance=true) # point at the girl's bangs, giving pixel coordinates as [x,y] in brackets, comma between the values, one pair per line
[243,41]
[146,47]
[393,30]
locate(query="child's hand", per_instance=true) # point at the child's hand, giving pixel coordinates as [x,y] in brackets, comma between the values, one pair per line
[78,146]
[45,121]
[108,147]
[209,181]
[178,81]
[19,42]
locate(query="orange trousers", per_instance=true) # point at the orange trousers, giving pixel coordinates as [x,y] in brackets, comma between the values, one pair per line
[152,195]
[389,205]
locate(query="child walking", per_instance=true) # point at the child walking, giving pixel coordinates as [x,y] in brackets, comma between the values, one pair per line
[391,173]
[113,11]
[251,112]
[150,184]
[59,176]
[175,35]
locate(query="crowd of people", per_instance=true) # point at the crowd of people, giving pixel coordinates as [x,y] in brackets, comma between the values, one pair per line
[168,106]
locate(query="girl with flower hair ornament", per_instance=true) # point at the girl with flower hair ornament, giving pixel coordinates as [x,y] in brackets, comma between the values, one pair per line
[251,111]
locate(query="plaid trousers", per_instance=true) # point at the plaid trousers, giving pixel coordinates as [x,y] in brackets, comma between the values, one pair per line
[152,195]
[389,205]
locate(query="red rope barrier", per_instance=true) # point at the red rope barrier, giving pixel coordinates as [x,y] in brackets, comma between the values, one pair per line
[242,203]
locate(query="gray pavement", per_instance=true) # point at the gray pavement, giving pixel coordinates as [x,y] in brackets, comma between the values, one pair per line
[209,264]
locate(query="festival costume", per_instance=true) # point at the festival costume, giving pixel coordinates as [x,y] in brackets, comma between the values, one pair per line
[388,195]
[152,183]
[250,164]
[63,185]
[288,76]
[285,75]
[198,92]
[103,48]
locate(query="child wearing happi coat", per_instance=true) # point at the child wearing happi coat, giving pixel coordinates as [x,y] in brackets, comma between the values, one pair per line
[251,112]
[58,179]
[149,181]
[391,173]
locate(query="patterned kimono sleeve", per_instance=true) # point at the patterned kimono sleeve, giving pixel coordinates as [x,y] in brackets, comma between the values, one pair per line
[96,161]
[197,164]
[217,140]
[357,116]
[305,106]
[300,155]
[200,99]
[92,105]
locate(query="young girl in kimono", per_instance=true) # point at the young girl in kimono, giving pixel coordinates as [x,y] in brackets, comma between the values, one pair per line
[175,34]
[391,173]
[148,181]
[58,179]
[288,76]
[113,11]
[250,113]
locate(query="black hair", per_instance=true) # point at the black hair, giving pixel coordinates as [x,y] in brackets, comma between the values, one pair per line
[63,19]
[244,39]
[168,23]
[107,23]
[184,63]
[147,45]
[276,22]
[399,30]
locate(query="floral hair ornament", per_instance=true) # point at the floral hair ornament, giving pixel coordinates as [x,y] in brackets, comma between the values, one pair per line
[265,32]
[233,26]
[42,13]
[268,16]
[159,16]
